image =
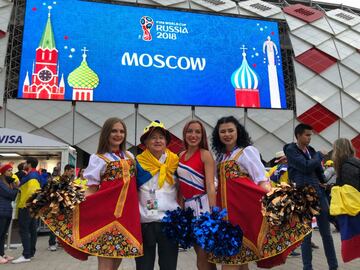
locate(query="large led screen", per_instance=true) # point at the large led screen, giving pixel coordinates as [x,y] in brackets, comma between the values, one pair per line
[78,50]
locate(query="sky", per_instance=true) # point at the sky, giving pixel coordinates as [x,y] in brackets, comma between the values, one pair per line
[351,3]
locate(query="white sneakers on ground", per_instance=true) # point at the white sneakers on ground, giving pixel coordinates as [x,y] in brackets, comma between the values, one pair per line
[21,259]
[52,248]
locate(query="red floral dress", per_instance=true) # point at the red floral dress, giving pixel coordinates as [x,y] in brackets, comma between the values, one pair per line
[107,223]
[241,197]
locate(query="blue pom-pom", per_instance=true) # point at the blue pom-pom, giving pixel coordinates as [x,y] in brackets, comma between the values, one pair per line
[215,235]
[177,225]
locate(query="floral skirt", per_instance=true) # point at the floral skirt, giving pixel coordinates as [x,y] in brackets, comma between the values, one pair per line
[97,227]
[268,246]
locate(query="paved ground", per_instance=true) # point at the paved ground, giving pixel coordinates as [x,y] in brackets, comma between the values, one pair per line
[59,260]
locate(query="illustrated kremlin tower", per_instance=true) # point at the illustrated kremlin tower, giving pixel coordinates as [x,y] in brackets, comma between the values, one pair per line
[45,74]
[83,80]
[245,82]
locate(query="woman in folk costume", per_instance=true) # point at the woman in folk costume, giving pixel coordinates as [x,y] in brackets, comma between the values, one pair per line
[242,184]
[157,189]
[107,223]
[196,176]
[345,198]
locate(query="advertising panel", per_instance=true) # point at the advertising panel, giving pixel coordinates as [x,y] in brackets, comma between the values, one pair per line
[87,51]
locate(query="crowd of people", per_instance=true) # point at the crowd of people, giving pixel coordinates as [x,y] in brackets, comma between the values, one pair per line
[19,187]
[128,196]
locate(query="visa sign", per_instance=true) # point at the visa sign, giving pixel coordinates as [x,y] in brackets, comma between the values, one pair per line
[11,139]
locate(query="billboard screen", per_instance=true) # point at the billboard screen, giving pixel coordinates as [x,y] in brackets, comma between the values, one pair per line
[77,50]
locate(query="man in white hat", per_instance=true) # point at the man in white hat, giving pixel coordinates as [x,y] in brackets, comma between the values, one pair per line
[278,174]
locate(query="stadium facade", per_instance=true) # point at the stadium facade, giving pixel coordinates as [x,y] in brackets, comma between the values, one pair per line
[321,63]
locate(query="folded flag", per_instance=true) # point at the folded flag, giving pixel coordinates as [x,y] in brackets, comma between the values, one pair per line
[345,204]
[148,166]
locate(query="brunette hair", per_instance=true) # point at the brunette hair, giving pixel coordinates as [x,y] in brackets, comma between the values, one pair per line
[79,172]
[68,167]
[203,143]
[32,161]
[300,129]
[104,145]
[243,138]
[342,150]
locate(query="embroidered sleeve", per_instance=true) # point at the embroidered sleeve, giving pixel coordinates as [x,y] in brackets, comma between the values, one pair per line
[94,170]
[250,161]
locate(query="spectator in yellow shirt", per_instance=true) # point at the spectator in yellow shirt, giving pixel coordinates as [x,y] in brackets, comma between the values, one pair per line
[80,180]
[27,224]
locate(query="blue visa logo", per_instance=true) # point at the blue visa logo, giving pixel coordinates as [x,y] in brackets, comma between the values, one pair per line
[13,139]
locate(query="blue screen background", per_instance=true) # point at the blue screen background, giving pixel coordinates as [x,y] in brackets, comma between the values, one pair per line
[108,31]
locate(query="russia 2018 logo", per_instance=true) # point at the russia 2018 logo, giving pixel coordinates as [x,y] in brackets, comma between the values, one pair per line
[146,23]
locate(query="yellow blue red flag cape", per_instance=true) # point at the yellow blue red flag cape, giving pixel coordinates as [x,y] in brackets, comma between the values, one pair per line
[345,205]
[278,174]
[148,166]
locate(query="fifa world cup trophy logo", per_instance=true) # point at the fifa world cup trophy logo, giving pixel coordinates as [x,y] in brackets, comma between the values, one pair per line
[146,25]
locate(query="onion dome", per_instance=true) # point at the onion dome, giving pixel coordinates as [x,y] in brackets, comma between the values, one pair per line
[244,77]
[83,76]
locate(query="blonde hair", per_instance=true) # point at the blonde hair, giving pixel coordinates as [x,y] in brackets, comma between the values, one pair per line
[342,150]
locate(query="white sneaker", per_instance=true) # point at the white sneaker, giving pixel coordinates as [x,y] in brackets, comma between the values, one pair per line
[52,248]
[21,259]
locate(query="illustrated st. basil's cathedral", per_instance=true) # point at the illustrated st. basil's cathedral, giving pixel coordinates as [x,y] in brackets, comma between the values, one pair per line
[45,73]
[246,81]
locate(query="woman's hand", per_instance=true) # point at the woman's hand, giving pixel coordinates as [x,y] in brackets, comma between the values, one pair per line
[265,185]
[91,190]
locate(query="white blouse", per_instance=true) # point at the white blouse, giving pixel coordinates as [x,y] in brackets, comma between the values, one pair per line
[97,167]
[249,161]
[165,196]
